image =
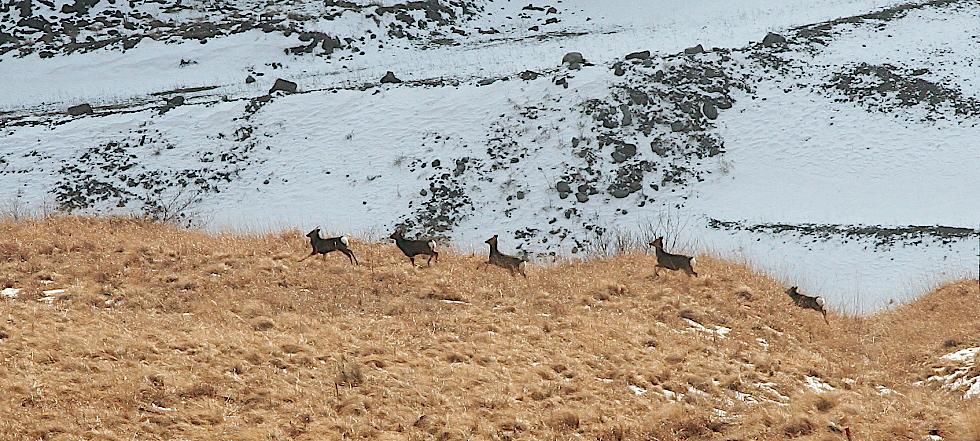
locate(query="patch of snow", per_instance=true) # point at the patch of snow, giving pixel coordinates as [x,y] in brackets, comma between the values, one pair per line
[11,293]
[637,389]
[817,385]
[882,390]
[958,379]
[720,331]
[963,355]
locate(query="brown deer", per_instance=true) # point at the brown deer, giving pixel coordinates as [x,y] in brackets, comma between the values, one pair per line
[805,301]
[671,261]
[325,245]
[412,248]
[510,263]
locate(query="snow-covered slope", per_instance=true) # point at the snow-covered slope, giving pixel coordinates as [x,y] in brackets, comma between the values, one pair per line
[838,153]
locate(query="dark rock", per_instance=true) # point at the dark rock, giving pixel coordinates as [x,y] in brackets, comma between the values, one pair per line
[642,55]
[677,126]
[33,22]
[81,109]
[283,85]
[709,110]
[200,31]
[573,57]
[80,7]
[638,97]
[131,42]
[582,197]
[618,69]
[175,101]
[773,39]
[249,79]
[627,115]
[694,50]
[528,75]
[627,149]
[620,193]
[486,81]
[390,78]
[563,187]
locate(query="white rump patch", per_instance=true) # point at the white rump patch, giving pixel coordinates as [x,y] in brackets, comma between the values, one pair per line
[432,245]
[692,261]
[820,302]
[343,240]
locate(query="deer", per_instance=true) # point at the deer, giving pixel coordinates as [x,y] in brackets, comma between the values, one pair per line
[671,261]
[510,263]
[412,248]
[325,245]
[805,301]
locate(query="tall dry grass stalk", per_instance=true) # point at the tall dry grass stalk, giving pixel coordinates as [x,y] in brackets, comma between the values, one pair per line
[117,328]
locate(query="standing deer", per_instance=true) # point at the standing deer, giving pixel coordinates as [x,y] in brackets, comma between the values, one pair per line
[671,261]
[805,301]
[324,246]
[412,248]
[510,263]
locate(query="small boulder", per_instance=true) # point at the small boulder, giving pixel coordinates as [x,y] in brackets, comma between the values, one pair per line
[249,79]
[619,192]
[528,75]
[773,39]
[709,110]
[81,109]
[694,50]
[573,58]
[618,69]
[390,78]
[642,55]
[283,85]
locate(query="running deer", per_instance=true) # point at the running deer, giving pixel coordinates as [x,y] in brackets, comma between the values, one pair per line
[510,263]
[805,301]
[671,261]
[324,246]
[412,248]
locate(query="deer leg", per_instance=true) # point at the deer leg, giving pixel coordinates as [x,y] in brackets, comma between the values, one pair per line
[350,256]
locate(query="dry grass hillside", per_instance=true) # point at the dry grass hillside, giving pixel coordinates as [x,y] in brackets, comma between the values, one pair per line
[117,328]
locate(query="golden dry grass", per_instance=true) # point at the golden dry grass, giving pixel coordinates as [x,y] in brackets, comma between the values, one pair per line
[167,333]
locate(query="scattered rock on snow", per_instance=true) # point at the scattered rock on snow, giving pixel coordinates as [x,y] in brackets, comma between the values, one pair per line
[574,60]
[709,110]
[773,39]
[528,75]
[694,50]
[283,85]
[81,109]
[390,78]
[618,69]
[642,55]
